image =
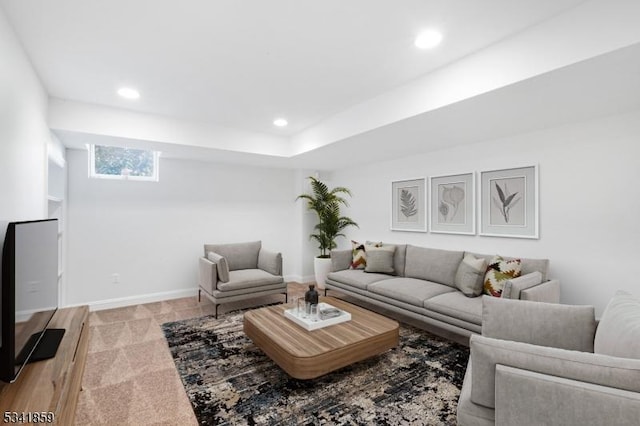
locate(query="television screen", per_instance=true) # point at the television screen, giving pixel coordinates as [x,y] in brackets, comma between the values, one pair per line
[29,290]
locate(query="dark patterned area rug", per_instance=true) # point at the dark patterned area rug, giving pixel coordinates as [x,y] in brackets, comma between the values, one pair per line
[230,381]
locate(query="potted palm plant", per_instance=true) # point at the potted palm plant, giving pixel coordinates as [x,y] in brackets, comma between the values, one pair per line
[326,204]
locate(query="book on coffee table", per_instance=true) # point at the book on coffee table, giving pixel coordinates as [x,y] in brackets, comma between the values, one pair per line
[327,315]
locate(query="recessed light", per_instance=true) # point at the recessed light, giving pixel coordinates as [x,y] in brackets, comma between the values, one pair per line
[280,122]
[428,39]
[128,93]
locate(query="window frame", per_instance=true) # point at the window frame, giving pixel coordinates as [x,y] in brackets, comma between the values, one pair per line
[155,177]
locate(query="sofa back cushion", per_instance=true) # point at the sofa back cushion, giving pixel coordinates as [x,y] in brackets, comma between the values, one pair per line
[618,332]
[238,255]
[399,258]
[544,324]
[527,265]
[435,265]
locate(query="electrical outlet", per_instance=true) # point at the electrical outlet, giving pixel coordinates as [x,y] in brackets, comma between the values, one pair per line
[115,278]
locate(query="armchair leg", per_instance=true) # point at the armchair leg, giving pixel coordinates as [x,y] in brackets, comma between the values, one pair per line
[286,297]
[199,291]
[216,306]
[325,292]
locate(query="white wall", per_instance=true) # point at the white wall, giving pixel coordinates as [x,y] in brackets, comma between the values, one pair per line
[589,202]
[23,133]
[152,234]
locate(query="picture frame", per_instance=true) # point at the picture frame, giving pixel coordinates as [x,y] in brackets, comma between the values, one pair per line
[452,204]
[509,200]
[408,205]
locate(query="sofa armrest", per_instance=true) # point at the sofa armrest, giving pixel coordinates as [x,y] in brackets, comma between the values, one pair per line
[531,287]
[340,260]
[270,262]
[524,397]
[603,370]
[514,286]
[207,275]
[548,291]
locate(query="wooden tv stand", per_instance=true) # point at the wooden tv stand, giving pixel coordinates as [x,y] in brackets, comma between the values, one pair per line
[53,385]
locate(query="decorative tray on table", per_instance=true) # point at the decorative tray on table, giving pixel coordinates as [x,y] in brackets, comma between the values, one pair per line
[327,315]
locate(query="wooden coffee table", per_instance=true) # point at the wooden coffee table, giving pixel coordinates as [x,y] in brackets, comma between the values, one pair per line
[309,354]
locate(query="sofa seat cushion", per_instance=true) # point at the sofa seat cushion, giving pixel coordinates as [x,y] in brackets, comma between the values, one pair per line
[356,278]
[409,290]
[457,305]
[248,278]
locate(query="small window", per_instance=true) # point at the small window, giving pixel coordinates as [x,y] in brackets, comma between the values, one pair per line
[112,162]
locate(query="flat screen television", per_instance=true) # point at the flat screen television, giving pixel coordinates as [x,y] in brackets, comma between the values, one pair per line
[29,294]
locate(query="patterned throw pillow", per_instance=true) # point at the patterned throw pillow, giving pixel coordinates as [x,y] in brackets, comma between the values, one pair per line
[359,253]
[358,256]
[498,273]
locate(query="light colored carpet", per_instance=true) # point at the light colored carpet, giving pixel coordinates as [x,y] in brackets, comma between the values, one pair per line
[130,377]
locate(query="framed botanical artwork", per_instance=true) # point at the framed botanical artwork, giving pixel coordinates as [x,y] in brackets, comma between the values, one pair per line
[408,205]
[509,202]
[452,204]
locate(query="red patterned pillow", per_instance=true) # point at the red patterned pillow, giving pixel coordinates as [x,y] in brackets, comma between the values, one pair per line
[358,256]
[498,273]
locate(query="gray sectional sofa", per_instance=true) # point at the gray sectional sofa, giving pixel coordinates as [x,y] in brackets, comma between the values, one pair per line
[423,286]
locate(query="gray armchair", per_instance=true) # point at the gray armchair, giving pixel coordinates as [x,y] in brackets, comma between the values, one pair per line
[548,364]
[233,272]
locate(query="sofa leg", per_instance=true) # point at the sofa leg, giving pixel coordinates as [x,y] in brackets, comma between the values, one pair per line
[199,291]
[325,292]
[286,297]
[216,306]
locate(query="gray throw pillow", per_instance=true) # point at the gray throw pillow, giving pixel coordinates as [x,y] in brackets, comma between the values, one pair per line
[618,332]
[380,259]
[221,265]
[469,277]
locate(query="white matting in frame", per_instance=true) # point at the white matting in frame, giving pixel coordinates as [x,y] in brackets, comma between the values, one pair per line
[452,204]
[408,205]
[509,202]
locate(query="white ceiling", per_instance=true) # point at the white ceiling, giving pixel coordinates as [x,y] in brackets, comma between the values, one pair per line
[240,64]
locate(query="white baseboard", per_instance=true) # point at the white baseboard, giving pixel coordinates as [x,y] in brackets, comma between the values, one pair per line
[121,302]
[137,300]
[300,278]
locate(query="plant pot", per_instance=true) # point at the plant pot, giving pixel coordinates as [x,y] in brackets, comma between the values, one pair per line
[321,268]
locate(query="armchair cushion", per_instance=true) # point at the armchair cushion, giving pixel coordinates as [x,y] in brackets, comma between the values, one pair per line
[270,261]
[618,332]
[238,255]
[222,267]
[545,324]
[247,278]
